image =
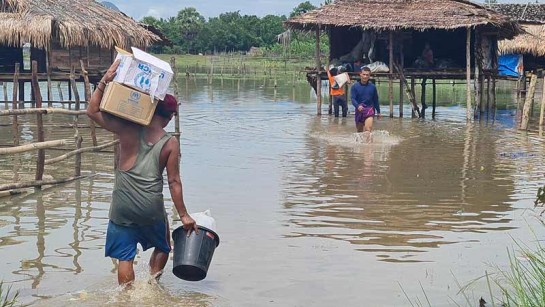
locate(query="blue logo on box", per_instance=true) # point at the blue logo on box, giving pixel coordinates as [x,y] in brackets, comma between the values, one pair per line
[135,96]
[143,81]
[143,67]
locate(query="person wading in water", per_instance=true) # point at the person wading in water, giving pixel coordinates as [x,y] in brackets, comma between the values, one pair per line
[137,211]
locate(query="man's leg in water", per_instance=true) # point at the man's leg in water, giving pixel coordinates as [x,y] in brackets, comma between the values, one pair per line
[368,127]
[157,262]
[125,272]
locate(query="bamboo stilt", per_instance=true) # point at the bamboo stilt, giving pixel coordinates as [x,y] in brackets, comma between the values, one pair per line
[176,93]
[390,74]
[61,98]
[542,109]
[528,103]
[87,88]
[468,74]
[434,98]
[39,122]
[5,90]
[15,122]
[77,171]
[318,75]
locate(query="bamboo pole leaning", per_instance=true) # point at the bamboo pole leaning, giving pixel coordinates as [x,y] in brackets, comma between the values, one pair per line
[32,146]
[79,151]
[37,183]
[40,111]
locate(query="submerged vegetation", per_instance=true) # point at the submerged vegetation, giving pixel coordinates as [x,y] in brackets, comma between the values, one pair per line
[7,299]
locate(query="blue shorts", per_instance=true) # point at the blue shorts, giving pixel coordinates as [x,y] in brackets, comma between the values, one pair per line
[121,240]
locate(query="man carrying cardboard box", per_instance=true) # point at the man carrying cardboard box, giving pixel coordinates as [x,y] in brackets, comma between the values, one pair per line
[137,212]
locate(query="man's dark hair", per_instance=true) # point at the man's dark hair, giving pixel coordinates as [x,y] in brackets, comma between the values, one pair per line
[365,68]
[334,71]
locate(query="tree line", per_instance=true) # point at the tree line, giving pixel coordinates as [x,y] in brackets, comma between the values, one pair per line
[191,33]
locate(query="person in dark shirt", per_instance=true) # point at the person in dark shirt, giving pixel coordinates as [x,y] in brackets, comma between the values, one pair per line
[364,98]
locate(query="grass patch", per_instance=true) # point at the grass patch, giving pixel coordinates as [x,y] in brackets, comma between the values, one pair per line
[7,299]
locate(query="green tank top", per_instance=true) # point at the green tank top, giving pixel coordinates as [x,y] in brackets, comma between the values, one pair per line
[137,198]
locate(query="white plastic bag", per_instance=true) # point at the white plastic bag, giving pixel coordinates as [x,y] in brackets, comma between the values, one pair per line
[205,219]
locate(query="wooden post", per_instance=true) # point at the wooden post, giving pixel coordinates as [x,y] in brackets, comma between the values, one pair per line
[48,70]
[423,97]
[79,139]
[468,74]
[15,123]
[487,108]
[5,88]
[40,165]
[61,98]
[542,109]
[176,94]
[401,83]
[434,98]
[493,94]
[390,74]
[87,88]
[413,83]
[528,103]
[22,92]
[318,74]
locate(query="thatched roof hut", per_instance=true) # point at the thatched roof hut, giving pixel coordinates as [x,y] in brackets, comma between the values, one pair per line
[531,16]
[442,23]
[71,22]
[63,32]
[392,15]
[398,32]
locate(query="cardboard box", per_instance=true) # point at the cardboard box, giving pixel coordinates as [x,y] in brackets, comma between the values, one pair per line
[128,103]
[144,72]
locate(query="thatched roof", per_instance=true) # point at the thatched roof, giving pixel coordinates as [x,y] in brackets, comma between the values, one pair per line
[71,22]
[533,42]
[383,15]
[525,13]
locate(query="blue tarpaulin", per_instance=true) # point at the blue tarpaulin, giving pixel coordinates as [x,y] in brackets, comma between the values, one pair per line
[510,65]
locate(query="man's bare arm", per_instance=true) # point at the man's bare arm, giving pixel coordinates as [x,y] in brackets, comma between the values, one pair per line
[175,184]
[110,123]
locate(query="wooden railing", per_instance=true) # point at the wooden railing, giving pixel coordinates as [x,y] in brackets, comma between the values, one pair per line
[40,144]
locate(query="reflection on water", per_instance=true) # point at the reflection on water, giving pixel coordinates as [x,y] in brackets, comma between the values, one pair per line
[309,212]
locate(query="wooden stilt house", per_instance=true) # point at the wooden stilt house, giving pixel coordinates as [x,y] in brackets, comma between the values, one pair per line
[461,33]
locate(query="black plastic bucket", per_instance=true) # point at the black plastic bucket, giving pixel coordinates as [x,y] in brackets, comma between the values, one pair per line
[193,254]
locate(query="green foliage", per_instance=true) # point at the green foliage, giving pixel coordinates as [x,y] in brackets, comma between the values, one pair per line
[524,283]
[6,299]
[302,8]
[191,33]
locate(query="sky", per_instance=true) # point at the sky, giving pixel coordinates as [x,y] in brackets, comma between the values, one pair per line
[212,8]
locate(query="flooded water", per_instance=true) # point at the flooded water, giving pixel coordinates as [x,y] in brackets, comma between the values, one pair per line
[308,212]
